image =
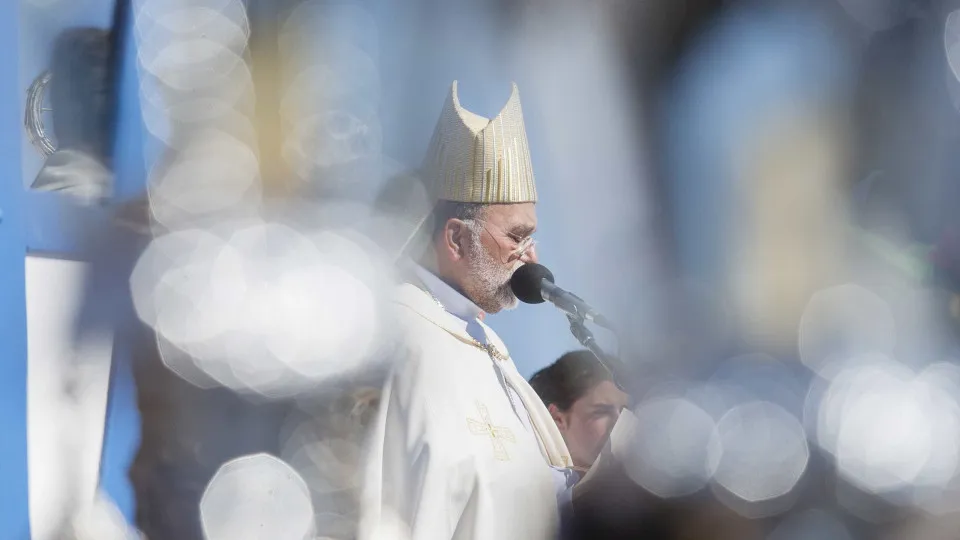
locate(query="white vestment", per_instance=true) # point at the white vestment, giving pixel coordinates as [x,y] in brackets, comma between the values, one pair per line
[451,455]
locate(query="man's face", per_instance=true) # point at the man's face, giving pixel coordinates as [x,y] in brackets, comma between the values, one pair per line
[494,250]
[586,425]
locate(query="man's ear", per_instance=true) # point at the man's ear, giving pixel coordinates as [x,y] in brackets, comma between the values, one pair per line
[454,238]
[558,416]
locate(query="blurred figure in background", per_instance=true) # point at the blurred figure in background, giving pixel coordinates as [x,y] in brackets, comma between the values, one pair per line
[583,401]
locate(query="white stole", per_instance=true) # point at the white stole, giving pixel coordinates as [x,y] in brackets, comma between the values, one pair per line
[552,446]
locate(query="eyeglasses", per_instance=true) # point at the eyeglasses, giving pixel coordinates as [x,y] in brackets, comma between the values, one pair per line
[524,244]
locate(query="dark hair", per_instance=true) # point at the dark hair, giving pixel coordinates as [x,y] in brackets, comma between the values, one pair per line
[569,378]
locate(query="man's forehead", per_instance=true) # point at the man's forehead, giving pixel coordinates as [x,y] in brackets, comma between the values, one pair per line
[512,214]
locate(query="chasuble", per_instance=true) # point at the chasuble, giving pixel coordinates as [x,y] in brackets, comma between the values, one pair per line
[452,453]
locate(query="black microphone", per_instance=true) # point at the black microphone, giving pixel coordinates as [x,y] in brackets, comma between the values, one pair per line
[533,284]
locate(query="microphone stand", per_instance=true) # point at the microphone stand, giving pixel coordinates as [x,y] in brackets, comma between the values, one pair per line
[612,364]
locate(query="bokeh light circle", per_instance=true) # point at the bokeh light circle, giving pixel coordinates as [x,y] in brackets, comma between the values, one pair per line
[256,497]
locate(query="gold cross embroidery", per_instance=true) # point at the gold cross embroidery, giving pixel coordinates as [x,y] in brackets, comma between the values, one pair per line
[497,434]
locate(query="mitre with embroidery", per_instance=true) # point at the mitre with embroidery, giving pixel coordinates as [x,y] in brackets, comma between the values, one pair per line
[470,159]
[474,159]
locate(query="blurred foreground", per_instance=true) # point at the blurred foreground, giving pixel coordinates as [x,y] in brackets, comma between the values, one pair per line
[764,194]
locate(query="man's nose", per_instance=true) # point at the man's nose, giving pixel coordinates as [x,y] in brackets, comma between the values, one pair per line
[530,256]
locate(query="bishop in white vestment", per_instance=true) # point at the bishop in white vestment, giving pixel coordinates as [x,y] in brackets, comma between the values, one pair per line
[462,446]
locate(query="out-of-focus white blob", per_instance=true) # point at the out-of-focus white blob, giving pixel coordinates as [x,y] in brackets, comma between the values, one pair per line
[215,172]
[322,439]
[713,397]
[189,286]
[939,384]
[810,525]
[334,137]
[228,119]
[189,65]
[197,49]
[843,322]
[338,76]
[182,364]
[232,89]
[876,15]
[191,18]
[260,306]
[763,453]
[951,42]
[102,520]
[889,429]
[318,316]
[354,252]
[159,23]
[674,453]
[151,10]
[388,525]
[189,109]
[192,67]
[256,497]
[872,424]
[345,216]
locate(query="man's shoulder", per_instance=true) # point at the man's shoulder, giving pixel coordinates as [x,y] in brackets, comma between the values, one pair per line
[414,308]
[423,324]
[415,298]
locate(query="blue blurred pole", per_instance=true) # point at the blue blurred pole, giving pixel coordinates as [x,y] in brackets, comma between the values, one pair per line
[14,511]
[121,437]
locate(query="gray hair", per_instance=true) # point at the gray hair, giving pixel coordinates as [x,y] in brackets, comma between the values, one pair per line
[422,245]
[447,210]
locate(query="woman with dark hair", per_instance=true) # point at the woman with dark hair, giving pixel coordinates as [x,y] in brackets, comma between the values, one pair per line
[583,401]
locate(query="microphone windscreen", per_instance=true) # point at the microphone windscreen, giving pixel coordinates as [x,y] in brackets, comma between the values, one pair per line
[526,282]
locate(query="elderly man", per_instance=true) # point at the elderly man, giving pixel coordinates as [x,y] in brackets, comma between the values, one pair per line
[583,401]
[462,447]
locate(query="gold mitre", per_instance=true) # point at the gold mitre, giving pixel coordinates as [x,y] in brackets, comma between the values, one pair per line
[478,160]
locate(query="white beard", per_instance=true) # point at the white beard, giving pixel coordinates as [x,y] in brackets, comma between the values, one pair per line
[492,290]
